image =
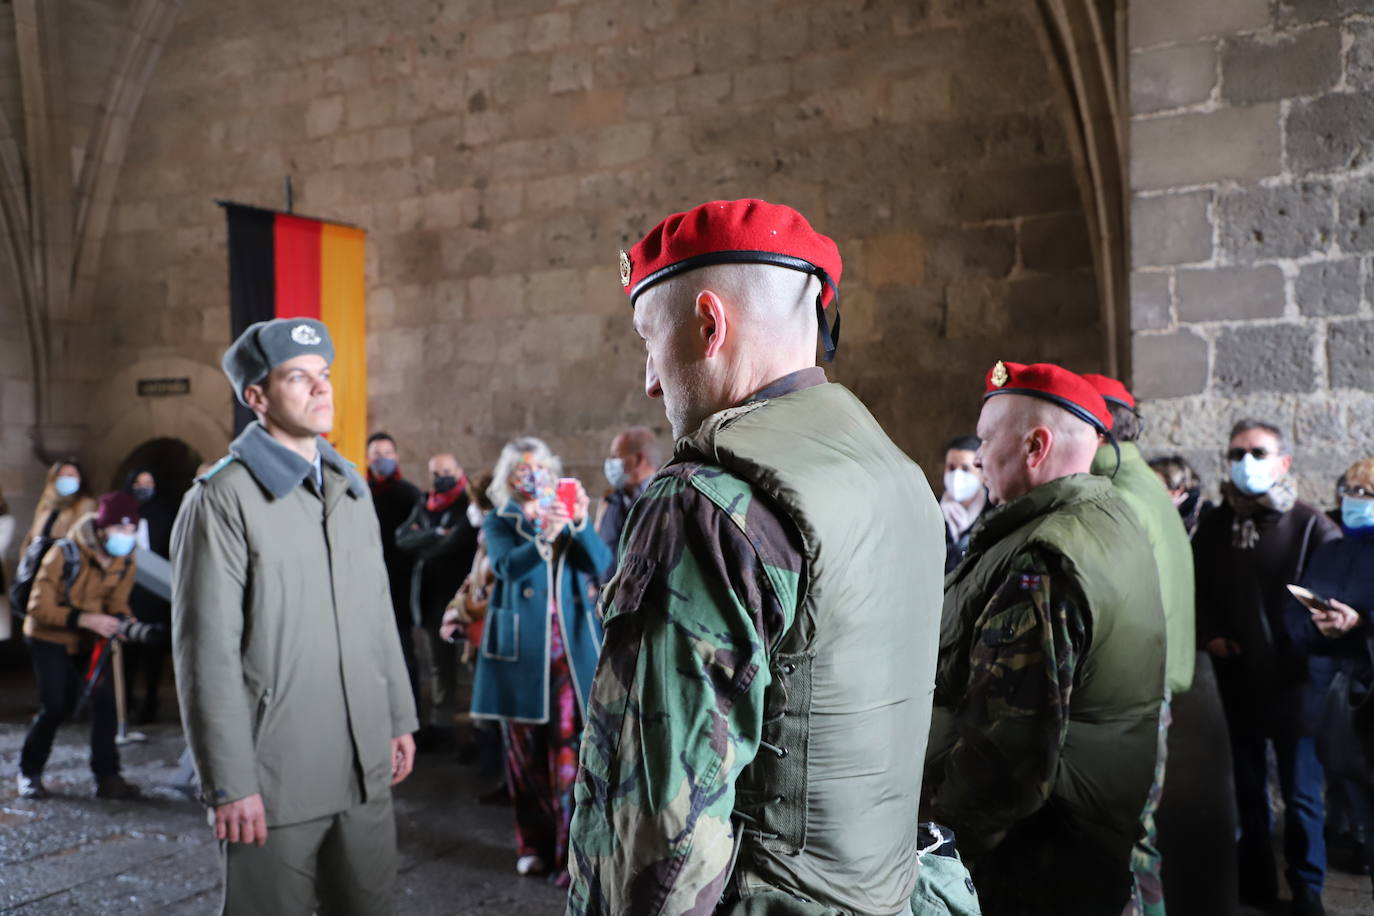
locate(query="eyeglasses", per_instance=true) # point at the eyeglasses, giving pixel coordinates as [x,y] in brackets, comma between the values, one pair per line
[1356,492]
[1258,453]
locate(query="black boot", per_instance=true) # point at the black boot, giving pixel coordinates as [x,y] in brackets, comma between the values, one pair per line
[114,786]
[1307,901]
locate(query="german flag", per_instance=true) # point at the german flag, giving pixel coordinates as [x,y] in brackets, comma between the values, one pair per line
[287,266]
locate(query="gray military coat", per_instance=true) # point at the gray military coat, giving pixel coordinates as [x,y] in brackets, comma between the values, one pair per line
[288,663]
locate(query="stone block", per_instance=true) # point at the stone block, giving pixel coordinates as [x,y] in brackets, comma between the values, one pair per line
[1036,302]
[1330,287]
[1168,365]
[1350,354]
[894,258]
[1171,21]
[1273,357]
[1151,301]
[1220,293]
[1266,68]
[986,251]
[1355,224]
[1241,144]
[1359,57]
[1171,229]
[1330,133]
[1284,221]
[1055,243]
[1173,77]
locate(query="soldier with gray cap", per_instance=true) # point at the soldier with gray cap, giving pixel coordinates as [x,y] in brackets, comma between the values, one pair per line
[293,689]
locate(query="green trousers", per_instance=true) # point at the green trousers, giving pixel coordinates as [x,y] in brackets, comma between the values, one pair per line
[344,864]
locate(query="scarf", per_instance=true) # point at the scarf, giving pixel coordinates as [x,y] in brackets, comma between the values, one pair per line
[439,502]
[959,517]
[382,483]
[1244,532]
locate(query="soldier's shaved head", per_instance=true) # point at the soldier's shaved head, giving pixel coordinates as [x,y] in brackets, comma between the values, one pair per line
[445,463]
[718,334]
[1027,442]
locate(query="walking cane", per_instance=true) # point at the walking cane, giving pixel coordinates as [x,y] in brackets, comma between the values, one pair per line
[123,736]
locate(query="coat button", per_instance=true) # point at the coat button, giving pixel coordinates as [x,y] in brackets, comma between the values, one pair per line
[528,592]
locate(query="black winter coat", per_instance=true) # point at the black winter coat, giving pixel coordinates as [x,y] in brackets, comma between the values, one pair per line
[394,500]
[441,561]
[1343,570]
[1242,596]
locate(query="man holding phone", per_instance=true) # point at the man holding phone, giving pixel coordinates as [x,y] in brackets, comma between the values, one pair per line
[293,691]
[1246,552]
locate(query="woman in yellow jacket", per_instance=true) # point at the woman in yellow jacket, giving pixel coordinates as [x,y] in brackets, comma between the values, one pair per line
[62,625]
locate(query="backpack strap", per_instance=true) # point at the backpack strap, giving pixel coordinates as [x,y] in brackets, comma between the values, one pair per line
[47,526]
[71,567]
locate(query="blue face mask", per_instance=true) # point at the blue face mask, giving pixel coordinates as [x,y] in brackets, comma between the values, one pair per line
[1254,476]
[119,544]
[66,486]
[614,469]
[1357,514]
[383,467]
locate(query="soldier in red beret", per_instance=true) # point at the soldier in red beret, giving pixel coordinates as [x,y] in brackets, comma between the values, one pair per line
[764,684]
[1051,667]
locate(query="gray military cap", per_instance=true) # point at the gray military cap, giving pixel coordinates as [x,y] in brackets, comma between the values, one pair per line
[268,344]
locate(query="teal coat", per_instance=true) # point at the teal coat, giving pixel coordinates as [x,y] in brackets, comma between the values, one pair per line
[512,680]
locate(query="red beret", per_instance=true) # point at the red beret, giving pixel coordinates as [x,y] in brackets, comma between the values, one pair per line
[731,232]
[117,509]
[1055,384]
[1112,391]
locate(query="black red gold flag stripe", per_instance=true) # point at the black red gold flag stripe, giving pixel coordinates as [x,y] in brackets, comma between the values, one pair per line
[287,266]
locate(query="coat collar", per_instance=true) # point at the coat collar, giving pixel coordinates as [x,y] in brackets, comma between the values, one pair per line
[279,470]
[999,522]
[512,513]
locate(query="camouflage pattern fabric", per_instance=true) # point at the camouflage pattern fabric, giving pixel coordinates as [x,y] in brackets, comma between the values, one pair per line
[1147,868]
[707,583]
[1010,690]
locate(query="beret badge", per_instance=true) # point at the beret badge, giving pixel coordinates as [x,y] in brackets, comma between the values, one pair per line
[624,268]
[1000,375]
[305,335]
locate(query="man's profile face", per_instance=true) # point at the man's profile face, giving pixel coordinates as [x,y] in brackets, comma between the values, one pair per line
[297,396]
[623,448]
[382,448]
[675,362]
[1002,456]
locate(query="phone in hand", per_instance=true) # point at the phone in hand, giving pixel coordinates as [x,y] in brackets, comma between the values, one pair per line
[1311,600]
[567,494]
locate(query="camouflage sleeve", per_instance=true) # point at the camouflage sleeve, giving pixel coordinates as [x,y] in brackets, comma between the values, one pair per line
[707,583]
[1010,720]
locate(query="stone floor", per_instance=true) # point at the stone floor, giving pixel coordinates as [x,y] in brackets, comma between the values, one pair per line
[73,854]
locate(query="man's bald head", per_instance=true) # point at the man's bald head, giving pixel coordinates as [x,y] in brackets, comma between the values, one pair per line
[445,465]
[1027,442]
[718,334]
[639,454]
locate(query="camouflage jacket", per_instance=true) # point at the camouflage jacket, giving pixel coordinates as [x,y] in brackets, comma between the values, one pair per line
[676,711]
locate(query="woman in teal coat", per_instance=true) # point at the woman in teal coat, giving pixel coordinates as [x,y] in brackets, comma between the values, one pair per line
[539,646]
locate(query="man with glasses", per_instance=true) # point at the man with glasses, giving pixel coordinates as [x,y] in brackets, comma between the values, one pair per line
[1246,551]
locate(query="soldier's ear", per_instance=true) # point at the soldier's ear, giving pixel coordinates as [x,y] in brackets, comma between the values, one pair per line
[711,318]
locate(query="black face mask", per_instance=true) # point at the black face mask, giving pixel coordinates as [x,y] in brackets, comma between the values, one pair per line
[444,483]
[142,494]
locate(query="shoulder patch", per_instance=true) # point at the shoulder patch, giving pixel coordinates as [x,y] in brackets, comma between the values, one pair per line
[1030,583]
[219,466]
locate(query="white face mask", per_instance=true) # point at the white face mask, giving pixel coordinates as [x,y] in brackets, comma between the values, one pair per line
[1255,476]
[962,485]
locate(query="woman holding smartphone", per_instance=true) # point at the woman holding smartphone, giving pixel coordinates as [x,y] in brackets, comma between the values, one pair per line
[539,644]
[1336,625]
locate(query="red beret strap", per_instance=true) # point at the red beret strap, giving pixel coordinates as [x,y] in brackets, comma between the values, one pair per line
[830,336]
[1077,410]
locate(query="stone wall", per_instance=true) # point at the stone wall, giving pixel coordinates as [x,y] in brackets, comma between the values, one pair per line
[1253,185]
[500,153]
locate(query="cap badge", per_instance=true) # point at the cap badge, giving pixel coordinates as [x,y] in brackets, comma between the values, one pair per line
[305,335]
[624,268]
[1000,375]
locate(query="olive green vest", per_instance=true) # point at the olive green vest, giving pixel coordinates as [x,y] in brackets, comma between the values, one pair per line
[1108,757]
[835,786]
[1141,489]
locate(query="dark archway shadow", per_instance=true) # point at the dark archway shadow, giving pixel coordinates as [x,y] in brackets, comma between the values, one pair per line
[173,465]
